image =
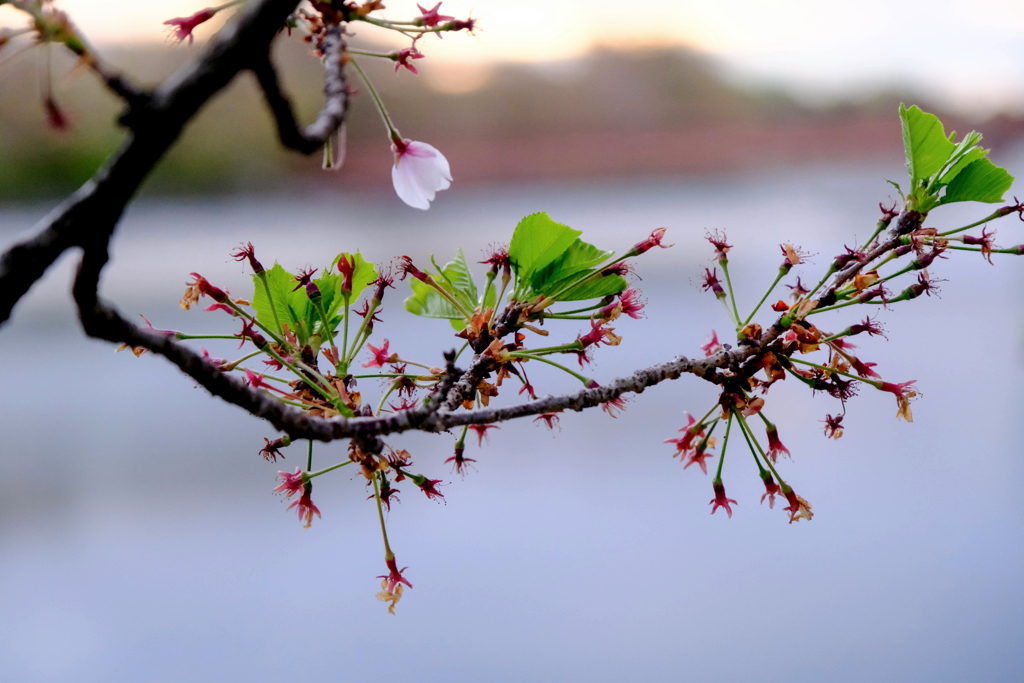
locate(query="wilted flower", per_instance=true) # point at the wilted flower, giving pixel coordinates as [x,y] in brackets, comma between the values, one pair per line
[775,447]
[272,448]
[420,171]
[834,426]
[798,507]
[182,27]
[428,486]
[616,404]
[460,460]
[903,392]
[720,501]
[246,251]
[712,282]
[402,58]
[481,432]
[201,286]
[712,346]
[628,304]
[646,245]
[700,454]
[550,419]
[717,240]
[771,489]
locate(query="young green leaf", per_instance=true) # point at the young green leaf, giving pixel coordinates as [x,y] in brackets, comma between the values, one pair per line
[594,289]
[979,181]
[925,143]
[575,262]
[427,302]
[293,307]
[458,280]
[536,242]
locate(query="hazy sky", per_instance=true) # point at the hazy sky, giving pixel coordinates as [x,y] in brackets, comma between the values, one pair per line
[970,53]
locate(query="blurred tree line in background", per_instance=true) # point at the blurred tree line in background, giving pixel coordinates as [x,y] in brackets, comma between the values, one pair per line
[611,113]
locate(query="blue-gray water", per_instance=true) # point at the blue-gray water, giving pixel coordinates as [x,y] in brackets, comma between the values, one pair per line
[139,540]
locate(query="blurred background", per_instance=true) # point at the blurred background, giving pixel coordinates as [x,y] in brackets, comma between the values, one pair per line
[138,537]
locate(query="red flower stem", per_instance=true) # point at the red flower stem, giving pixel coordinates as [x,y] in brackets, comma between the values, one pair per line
[388,555]
[876,385]
[901,271]
[732,296]
[364,53]
[310,475]
[561,314]
[380,406]
[182,335]
[410,362]
[994,215]
[461,441]
[978,249]
[706,416]
[725,443]
[343,366]
[362,334]
[487,289]
[842,305]
[309,457]
[381,109]
[330,394]
[558,316]
[319,305]
[828,274]
[767,460]
[844,333]
[401,26]
[383,375]
[565,348]
[245,314]
[744,427]
[586,380]
[800,377]
[598,272]
[782,274]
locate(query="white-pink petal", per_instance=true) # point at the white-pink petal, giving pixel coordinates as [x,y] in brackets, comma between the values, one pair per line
[420,171]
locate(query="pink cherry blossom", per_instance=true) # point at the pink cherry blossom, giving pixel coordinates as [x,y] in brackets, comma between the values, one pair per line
[420,171]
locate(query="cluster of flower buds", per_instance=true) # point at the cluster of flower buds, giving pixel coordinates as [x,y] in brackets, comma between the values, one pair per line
[310,346]
[797,348]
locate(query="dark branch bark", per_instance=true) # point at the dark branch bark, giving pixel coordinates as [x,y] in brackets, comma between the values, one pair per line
[331,116]
[91,214]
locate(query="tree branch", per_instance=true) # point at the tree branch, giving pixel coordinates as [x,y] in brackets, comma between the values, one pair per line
[92,212]
[331,116]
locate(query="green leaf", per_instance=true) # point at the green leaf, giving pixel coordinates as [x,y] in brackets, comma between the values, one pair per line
[968,157]
[293,307]
[575,262]
[457,276]
[536,242]
[364,273]
[427,302]
[330,290]
[595,289]
[925,143]
[979,181]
